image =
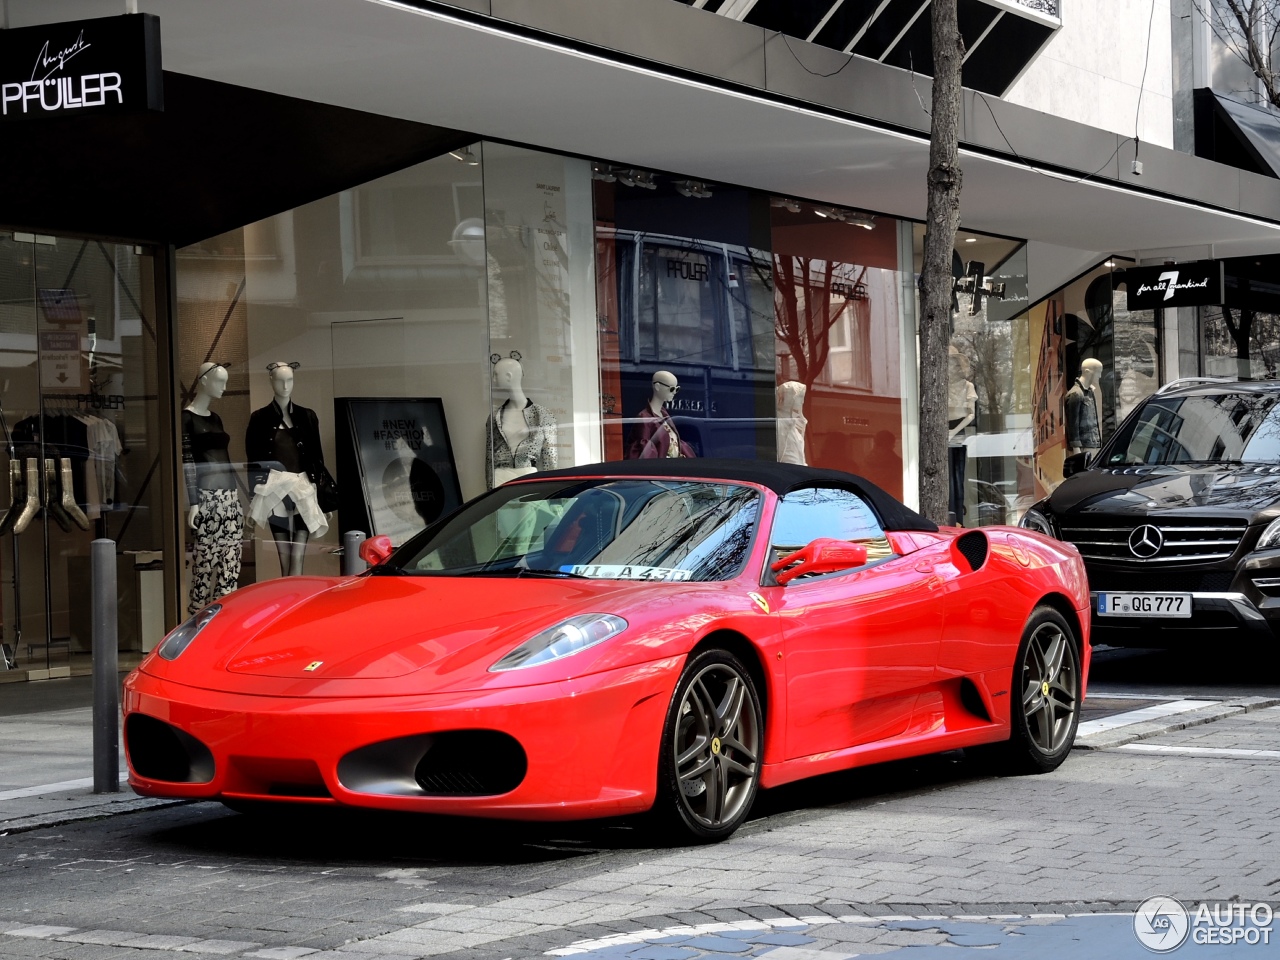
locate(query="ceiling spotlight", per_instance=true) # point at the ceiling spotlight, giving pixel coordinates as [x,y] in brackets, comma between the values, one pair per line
[970,239]
[602,172]
[644,178]
[864,220]
[829,213]
[691,188]
[625,177]
[786,203]
[1109,263]
[465,156]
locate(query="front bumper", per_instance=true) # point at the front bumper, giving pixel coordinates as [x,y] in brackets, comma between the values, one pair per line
[591,744]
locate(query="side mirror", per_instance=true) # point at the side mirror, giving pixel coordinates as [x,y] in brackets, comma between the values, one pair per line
[1074,464]
[821,556]
[376,549]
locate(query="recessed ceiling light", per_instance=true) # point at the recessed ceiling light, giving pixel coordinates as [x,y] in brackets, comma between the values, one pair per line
[970,239]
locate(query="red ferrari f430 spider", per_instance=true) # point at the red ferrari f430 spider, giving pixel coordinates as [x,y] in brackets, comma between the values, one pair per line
[623,637]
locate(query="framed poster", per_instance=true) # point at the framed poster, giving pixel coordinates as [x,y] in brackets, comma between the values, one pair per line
[395,465]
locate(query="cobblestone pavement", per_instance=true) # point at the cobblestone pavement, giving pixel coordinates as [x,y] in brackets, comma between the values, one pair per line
[909,856]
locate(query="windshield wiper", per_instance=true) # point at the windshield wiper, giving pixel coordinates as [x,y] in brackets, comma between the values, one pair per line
[515,572]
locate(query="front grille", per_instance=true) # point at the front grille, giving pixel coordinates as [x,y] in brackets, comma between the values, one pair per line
[1186,541]
[471,763]
[1159,581]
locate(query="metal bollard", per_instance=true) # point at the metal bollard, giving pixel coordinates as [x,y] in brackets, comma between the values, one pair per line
[351,562]
[106,669]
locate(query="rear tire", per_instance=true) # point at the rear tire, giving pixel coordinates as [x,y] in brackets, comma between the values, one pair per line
[1046,697]
[712,744]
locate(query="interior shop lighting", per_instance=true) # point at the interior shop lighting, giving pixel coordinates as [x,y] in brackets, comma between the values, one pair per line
[970,239]
[692,188]
[643,178]
[785,203]
[602,172]
[829,213]
[863,220]
[465,156]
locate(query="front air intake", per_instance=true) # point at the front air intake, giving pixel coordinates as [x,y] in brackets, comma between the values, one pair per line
[159,751]
[471,763]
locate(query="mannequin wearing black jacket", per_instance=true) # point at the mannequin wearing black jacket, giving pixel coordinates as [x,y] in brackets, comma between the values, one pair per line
[282,443]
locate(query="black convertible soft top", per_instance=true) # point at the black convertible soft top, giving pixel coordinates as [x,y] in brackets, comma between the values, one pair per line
[781,478]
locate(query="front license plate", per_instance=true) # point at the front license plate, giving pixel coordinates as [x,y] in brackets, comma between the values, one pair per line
[1144,605]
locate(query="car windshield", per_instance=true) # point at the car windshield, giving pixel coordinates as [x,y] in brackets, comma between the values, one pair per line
[661,530]
[1219,428]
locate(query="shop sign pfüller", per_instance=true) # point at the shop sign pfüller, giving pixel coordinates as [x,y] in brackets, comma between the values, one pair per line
[109,65]
[1194,284]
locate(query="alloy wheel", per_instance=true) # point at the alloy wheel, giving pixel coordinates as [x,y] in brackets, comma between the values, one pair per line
[716,746]
[1050,690]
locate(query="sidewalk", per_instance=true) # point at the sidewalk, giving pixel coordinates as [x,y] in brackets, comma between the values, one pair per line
[46,759]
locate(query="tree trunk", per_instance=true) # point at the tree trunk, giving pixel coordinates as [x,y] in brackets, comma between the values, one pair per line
[941,223]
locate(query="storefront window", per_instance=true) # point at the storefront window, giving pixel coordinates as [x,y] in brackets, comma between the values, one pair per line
[1240,343]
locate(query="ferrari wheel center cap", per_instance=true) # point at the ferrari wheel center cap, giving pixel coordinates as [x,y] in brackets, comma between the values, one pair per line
[1044,688]
[715,744]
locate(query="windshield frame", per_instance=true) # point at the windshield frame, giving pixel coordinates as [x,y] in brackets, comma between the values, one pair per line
[394,565]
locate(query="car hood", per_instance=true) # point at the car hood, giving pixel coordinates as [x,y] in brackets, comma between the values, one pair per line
[438,633]
[1237,490]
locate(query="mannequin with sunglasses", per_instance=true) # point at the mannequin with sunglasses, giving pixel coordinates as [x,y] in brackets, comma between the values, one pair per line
[521,434]
[654,434]
[215,514]
[283,446]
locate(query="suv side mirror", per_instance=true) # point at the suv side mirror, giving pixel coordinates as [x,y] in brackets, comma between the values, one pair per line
[823,555]
[1074,464]
[376,549]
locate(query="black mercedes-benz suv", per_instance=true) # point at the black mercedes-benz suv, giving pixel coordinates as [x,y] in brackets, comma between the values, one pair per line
[1178,517]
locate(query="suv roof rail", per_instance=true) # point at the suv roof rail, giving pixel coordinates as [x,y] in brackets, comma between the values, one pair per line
[1188,381]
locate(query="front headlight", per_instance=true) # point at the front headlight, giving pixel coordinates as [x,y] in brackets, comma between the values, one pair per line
[1270,536]
[563,640]
[1033,519]
[171,647]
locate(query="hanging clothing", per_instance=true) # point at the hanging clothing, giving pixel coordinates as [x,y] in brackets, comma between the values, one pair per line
[537,450]
[63,435]
[215,564]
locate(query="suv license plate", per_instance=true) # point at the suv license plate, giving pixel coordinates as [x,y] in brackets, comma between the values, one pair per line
[1144,605]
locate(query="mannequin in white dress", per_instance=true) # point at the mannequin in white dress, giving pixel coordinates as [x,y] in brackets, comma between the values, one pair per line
[792,422]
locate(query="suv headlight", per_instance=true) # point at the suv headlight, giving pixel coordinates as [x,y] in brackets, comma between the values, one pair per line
[171,647]
[1033,519]
[563,640]
[1270,536]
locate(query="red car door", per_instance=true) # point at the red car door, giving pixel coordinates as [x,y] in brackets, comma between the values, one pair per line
[859,646]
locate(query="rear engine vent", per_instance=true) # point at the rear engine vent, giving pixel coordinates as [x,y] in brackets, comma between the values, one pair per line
[973,547]
[471,763]
[159,751]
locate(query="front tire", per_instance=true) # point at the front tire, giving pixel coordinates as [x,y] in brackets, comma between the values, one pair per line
[710,760]
[1047,684]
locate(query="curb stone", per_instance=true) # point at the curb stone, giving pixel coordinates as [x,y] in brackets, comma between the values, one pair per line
[96,812]
[1120,736]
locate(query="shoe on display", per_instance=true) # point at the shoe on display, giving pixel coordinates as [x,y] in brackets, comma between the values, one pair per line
[53,499]
[68,500]
[32,505]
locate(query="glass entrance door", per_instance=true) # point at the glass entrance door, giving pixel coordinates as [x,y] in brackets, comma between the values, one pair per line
[81,456]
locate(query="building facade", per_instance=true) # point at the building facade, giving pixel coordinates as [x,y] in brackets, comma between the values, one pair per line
[462,241]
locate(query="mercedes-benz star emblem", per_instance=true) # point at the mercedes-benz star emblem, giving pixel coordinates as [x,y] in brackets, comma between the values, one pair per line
[1145,541]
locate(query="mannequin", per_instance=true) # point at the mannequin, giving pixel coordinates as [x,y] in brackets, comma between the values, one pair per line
[791,422]
[962,408]
[215,515]
[283,445]
[521,434]
[1081,409]
[655,435]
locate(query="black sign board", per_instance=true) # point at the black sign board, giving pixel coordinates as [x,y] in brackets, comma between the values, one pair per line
[1194,284]
[81,67]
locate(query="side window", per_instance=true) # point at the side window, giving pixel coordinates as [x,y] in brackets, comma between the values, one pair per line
[813,512]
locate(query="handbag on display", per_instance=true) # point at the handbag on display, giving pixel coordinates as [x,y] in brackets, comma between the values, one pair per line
[326,488]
